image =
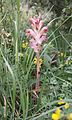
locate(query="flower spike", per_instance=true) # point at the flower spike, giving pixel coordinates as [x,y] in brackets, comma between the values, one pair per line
[37,33]
[38,36]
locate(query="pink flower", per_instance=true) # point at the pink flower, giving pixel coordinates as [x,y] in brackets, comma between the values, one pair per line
[36,23]
[35,45]
[37,33]
[30,32]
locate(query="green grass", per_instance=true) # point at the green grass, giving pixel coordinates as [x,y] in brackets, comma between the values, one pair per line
[18,74]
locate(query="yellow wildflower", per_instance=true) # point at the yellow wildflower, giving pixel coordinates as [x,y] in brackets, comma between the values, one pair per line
[40,60]
[24,45]
[35,60]
[58,111]
[55,116]
[70,116]
[61,102]
[66,106]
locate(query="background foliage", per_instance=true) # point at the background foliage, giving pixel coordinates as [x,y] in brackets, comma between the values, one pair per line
[17,69]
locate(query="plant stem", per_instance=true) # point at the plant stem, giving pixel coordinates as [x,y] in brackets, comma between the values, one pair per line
[38,72]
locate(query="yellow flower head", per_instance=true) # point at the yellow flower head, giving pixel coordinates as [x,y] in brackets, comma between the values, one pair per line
[35,60]
[24,45]
[70,116]
[40,60]
[61,102]
[58,111]
[55,116]
[66,106]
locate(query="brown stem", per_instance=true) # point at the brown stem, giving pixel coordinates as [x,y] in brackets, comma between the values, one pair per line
[38,72]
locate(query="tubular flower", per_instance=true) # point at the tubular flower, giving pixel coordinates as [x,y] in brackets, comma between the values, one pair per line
[37,33]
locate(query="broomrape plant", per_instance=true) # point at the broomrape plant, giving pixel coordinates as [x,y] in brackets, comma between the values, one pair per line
[38,36]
